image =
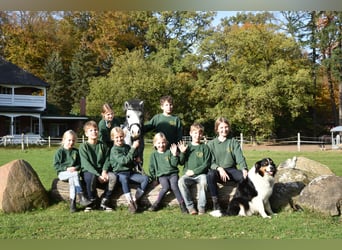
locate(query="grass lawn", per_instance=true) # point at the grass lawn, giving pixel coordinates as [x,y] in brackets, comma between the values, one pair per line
[56,222]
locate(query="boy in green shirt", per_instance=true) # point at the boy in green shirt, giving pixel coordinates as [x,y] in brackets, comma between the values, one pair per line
[95,166]
[196,159]
[166,122]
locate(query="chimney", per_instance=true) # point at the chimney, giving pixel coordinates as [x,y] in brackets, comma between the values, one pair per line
[83,106]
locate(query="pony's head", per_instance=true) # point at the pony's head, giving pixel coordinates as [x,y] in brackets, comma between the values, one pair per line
[134,117]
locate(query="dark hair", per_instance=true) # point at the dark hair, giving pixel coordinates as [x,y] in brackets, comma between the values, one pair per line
[166,98]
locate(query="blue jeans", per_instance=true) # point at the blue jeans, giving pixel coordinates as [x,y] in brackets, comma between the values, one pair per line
[126,177]
[169,182]
[74,182]
[184,184]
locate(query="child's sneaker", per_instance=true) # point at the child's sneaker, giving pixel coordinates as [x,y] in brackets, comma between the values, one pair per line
[201,211]
[88,209]
[192,211]
[153,208]
[183,208]
[132,207]
[104,206]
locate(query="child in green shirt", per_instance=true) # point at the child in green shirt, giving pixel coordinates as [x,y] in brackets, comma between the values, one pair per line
[196,158]
[95,166]
[166,122]
[164,168]
[67,164]
[226,155]
[106,124]
[122,160]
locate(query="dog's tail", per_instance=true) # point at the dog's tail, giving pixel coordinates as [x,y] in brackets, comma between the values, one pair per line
[235,204]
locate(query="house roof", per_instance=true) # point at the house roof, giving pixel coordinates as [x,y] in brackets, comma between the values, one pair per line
[13,75]
[336,129]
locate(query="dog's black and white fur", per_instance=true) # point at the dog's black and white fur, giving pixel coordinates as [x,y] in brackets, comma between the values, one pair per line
[253,193]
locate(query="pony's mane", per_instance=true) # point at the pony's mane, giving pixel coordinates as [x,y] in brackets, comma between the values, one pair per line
[134,104]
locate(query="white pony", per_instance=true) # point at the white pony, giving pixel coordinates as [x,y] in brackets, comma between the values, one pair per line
[133,127]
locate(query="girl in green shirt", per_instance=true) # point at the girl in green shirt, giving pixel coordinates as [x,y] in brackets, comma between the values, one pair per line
[164,169]
[226,155]
[67,164]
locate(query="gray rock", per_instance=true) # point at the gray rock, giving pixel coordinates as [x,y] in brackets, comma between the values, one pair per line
[323,194]
[20,188]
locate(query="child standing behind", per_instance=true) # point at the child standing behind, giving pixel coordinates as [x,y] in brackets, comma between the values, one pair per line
[67,164]
[166,122]
[122,160]
[95,166]
[106,124]
[196,158]
[164,168]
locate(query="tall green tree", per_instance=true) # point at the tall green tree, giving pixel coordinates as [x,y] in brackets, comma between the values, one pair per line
[82,70]
[260,78]
[59,90]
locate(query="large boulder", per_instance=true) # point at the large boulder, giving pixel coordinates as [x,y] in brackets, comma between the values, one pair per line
[323,194]
[20,188]
[292,177]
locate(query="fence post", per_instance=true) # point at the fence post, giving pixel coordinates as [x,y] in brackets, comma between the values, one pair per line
[49,139]
[22,141]
[241,141]
[298,142]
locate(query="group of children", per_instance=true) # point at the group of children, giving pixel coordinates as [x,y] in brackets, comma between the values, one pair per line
[104,159]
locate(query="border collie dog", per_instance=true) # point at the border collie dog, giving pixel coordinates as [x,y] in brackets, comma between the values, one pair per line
[253,193]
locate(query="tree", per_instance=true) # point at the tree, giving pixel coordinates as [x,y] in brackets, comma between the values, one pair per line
[260,77]
[59,91]
[82,69]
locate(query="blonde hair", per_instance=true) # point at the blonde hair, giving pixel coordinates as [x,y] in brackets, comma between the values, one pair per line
[116,130]
[68,132]
[89,124]
[197,126]
[158,136]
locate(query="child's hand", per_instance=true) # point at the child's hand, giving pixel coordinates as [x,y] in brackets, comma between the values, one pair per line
[189,173]
[173,149]
[71,169]
[101,179]
[104,176]
[182,146]
[135,144]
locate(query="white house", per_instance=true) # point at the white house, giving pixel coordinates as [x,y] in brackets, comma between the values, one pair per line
[23,106]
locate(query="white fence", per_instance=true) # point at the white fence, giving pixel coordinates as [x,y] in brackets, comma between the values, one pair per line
[322,141]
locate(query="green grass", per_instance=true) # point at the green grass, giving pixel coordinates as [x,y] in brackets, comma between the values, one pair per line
[56,222]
